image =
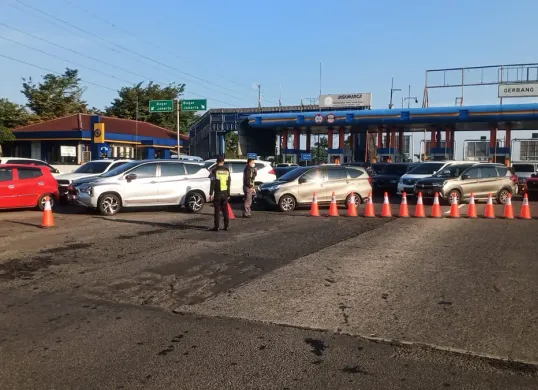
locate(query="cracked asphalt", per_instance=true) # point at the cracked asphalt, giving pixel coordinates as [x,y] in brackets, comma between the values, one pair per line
[151,299]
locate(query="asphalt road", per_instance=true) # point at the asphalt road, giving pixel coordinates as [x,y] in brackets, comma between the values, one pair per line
[151,299]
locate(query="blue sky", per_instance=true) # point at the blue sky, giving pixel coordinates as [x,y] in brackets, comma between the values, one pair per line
[220,48]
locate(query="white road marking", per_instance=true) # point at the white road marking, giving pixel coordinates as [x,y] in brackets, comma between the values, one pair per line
[459,207]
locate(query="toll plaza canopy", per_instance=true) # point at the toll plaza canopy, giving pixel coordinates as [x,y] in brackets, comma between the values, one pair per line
[394,122]
[460,118]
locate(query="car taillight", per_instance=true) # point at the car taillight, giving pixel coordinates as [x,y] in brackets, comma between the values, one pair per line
[370,179]
[272,172]
[514,178]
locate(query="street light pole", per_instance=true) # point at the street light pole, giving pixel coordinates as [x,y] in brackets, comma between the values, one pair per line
[409,98]
[392,90]
[177,126]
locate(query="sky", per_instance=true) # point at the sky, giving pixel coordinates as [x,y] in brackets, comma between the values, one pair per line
[220,49]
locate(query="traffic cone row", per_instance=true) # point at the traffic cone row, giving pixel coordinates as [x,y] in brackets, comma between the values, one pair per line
[386,211]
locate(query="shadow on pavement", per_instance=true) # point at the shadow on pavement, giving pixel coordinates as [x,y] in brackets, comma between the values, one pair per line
[162,225]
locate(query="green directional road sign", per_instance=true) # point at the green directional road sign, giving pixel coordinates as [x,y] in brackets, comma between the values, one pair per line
[161,106]
[194,105]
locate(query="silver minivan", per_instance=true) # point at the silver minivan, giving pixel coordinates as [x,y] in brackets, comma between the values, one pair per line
[298,186]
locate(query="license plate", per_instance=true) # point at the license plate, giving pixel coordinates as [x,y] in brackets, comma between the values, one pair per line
[428,192]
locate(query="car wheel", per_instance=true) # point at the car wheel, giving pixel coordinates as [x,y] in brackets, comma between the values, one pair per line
[42,200]
[502,196]
[287,203]
[194,202]
[109,204]
[454,194]
[358,200]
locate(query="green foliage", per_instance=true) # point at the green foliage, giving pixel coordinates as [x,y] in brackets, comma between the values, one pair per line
[125,105]
[319,151]
[55,96]
[232,144]
[12,115]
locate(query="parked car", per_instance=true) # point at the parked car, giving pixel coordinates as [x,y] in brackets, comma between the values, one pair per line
[279,171]
[458,181]
[89,169]
[531,187]
[24,186]
[29,161]
[146,183]
[297,186]
[186,157]
[524,170]
[387,176]
[266,173]
[422,170]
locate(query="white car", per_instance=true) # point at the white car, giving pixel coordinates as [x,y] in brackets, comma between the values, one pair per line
[89,169]
[422,170]
[265,174]
[29,161]
[147,183]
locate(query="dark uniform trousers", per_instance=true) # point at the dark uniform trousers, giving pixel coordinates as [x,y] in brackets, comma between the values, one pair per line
[220,203]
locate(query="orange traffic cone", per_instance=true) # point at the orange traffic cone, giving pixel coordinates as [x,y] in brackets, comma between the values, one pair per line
[525,209]
[231,214]
[508,209]
[369,212]
[471,209]
[314,210]
[419,209]
[48,218]
[490,211]
[333,208]
[386,211]
[404,210]
[454,208]
[436,208]
[352,207]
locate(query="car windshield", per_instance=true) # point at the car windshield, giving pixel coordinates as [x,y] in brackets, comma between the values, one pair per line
[93,167]
[394,170]
[293,174]
[453,170]
[426,169]
[122,168]
[523,168]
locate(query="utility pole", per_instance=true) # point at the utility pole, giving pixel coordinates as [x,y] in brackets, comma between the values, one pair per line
[177,126]
[259,97]
[392,90]
[136,131]
[409,98]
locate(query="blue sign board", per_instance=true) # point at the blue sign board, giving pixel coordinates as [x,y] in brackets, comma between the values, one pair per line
[306,156]
[104,148]
[252,155]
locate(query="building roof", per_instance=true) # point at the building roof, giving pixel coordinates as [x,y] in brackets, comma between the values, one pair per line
[112,125]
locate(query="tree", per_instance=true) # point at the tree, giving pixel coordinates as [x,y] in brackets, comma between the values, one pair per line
[125,105]
[12,115]
[55,96]
[319,151]
[232,144]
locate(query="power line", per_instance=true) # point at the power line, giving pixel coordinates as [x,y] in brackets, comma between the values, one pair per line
[63,59]
[152,44]
[124,48]
[52,71]
[105,63]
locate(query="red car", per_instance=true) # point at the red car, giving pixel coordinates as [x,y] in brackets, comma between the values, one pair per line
[24,186]
[531,186]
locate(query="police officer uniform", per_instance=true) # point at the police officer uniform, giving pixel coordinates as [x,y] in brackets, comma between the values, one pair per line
[220,189]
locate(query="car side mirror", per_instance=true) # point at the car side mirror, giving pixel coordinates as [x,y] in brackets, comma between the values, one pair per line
[302,180]
[465,177]
[54,170]
[130,177]
[534,175]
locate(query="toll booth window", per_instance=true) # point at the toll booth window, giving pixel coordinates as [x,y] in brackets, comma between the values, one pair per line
[486,172]
[148,170]
[336,174]
[29,173]
[6,174]
[354,173]
[172,170]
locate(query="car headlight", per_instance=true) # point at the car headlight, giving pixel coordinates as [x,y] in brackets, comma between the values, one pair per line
[440,184]
[393,181]
[272,188]
[86,189]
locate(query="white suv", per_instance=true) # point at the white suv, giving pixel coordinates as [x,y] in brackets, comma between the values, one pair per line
[89,169]
[147,183]
[266,173]
[422,170]
[29,161]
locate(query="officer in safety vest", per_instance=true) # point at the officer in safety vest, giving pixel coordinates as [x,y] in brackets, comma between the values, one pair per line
[220,192]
